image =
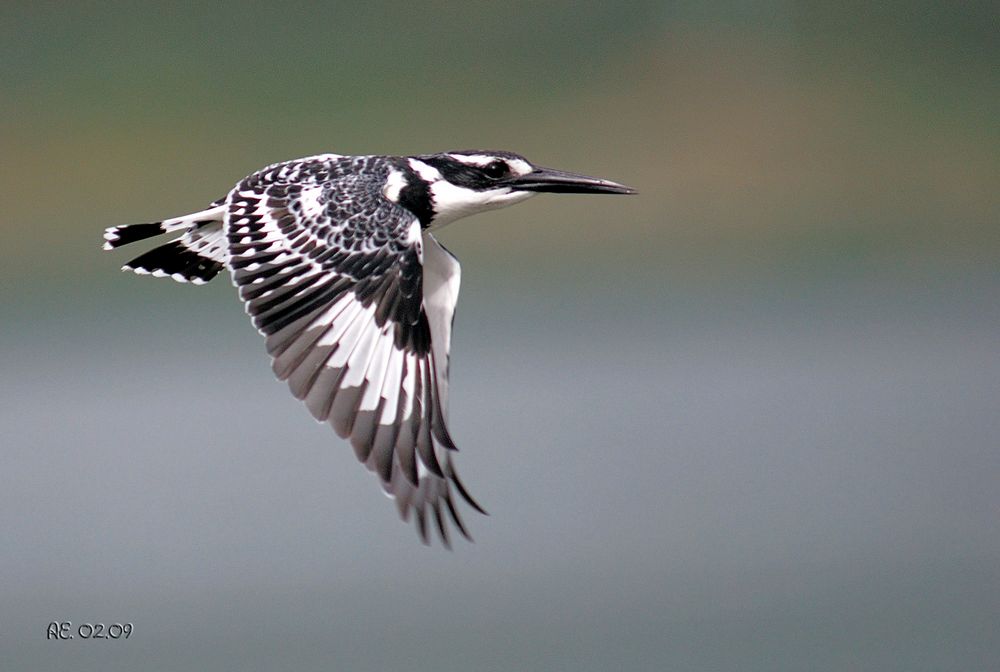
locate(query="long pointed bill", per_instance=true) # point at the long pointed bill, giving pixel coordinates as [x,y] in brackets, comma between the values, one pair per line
[561,182]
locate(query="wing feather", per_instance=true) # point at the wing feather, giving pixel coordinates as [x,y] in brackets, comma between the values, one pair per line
[356,304]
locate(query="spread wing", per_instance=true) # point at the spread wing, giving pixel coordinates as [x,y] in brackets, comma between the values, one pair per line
[356,304]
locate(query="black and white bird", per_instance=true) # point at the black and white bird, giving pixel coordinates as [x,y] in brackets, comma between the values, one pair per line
[335,262]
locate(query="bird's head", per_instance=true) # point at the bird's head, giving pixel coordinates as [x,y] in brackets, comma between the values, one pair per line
[462,183]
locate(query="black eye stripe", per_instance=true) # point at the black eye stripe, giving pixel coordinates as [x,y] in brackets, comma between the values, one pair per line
[478,170]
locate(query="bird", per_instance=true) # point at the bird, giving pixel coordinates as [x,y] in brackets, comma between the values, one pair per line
[336,263]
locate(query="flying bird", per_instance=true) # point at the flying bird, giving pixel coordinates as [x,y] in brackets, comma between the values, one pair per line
[335,261]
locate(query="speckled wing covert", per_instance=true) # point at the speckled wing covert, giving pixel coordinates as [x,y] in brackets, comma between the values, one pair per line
[356,303]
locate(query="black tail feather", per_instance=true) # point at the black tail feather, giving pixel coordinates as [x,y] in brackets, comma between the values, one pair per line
[175,261]
[123,235]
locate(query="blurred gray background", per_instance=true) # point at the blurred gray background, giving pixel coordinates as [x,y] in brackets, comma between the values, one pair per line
[747,420]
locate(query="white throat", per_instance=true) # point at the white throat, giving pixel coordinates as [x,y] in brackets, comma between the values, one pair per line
[452,202]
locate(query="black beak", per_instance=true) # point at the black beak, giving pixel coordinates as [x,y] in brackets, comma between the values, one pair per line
[561,182]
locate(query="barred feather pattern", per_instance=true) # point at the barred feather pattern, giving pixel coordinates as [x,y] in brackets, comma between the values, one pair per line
[197,256]
[336,277]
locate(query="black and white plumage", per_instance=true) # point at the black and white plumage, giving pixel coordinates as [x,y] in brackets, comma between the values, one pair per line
[334,259]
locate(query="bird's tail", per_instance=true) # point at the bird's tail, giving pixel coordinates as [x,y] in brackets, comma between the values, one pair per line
[197,256]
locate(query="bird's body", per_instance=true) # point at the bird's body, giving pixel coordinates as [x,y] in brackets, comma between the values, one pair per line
[334,259]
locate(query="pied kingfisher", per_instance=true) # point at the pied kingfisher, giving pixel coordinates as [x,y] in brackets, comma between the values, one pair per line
[336,265]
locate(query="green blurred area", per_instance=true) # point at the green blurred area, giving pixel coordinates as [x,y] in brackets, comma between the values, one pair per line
[765,138]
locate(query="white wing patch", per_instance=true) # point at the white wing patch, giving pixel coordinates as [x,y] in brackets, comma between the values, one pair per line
[311,202]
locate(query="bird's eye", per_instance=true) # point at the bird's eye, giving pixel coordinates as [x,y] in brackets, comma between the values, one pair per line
[496,170]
